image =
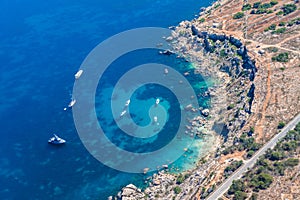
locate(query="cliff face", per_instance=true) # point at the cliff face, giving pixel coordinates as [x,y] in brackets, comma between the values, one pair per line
[226,59]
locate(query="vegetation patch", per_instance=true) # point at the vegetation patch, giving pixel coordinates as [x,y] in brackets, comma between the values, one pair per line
[177,189]
[246,7]
[274,163]
[282,57]
[232,167]
[287,9]
[238,15]
[279,31]
[271,27]
[201,20]
[259,8]
[281,125]
[245,142]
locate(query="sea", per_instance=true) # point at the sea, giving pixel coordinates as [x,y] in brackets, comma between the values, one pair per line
[42,46]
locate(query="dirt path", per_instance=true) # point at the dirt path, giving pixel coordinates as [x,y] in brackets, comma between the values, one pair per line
[262,45]
[259,129]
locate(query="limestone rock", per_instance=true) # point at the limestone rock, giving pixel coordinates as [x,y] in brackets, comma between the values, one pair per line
[205,112]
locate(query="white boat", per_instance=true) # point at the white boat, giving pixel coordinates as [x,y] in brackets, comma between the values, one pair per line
[123,113]
[127,102]
[72,103]
[155,119]
[166,71]
[157,101]
[56,140]
[78,74]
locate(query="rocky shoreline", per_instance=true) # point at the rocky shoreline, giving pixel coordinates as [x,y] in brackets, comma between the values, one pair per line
[225,59]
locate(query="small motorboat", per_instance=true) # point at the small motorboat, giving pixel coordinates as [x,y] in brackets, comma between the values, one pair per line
[166,71]
[155,119]
[127,102]
[56,140]
[72,103]
[78,74]
[123,113]
[157,101]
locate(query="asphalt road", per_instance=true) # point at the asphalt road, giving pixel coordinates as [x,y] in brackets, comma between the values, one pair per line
[250,163]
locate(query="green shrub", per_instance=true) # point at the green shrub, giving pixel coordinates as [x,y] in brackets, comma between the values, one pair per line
[254,196]
[256,4]
[279,31]
[239,195]
[261,11]
[223,53]
[217,6]
[273,49]
[231,106]
[294,21]
[276,155]
[250,153]
[177,189]
[265,5]
[280,125]
[279,13]
[297,128]
[246,7]
[238,15]
[273,2]
[271,27]
[262,181]
[201,20]
[282,24]
[282,57]
[289,146]
[291,162]
[289,8]
[233,166]
[237,185]
[180,179]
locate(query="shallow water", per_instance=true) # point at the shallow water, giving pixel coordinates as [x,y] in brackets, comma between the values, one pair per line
[42,45]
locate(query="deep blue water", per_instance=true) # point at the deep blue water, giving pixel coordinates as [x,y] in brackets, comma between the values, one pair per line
[42,44]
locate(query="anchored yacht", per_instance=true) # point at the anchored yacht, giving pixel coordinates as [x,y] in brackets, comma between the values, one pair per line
[78,74]
[56,140]
[127,102]
[123,113]
[72,103]
[157,101]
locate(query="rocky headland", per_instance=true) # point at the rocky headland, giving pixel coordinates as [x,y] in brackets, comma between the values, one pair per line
[252,91]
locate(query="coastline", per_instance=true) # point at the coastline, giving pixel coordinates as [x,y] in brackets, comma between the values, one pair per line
[233,95]
[202,168]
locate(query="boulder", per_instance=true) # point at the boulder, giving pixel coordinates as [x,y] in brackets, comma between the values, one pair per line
[126,192]
[194,30]
[205,112]
[146,170]
[156,182]
[110,198]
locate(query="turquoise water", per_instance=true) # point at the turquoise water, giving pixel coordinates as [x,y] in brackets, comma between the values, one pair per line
[42,45]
